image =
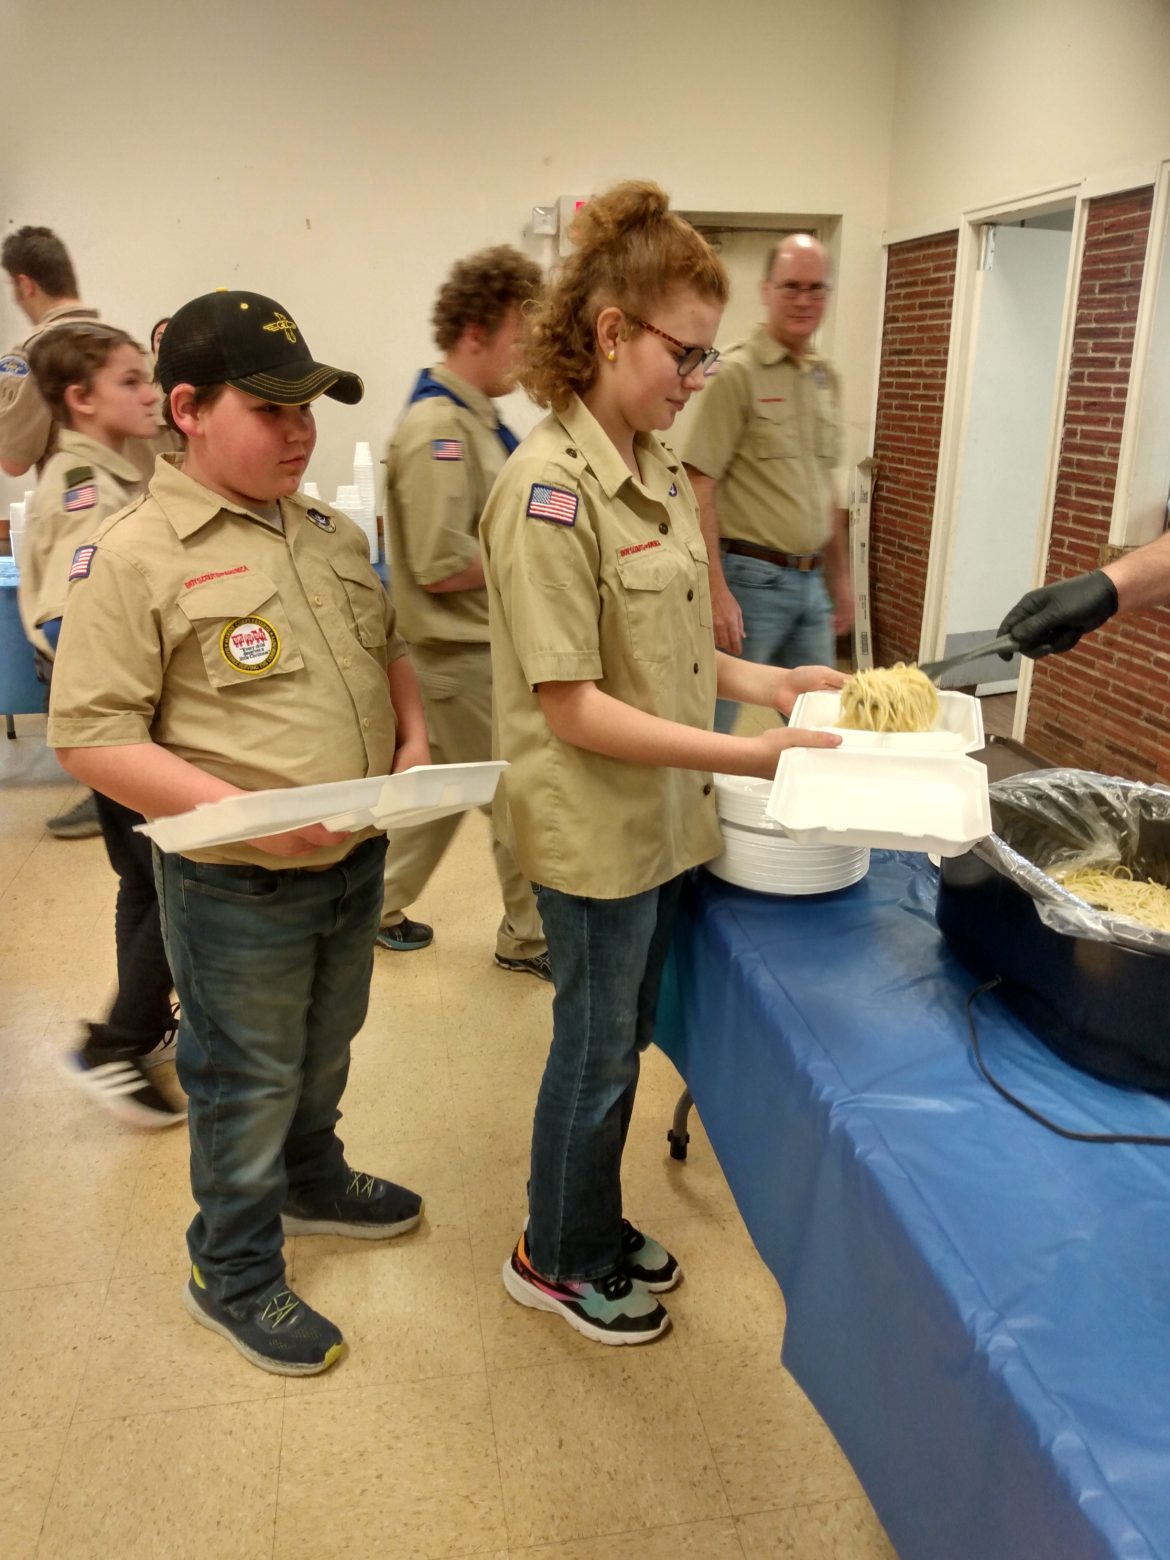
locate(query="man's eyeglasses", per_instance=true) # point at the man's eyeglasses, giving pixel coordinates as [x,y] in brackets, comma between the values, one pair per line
[815,290]
[688,359]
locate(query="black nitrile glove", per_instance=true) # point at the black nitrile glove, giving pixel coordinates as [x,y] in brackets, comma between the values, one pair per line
[1052,619]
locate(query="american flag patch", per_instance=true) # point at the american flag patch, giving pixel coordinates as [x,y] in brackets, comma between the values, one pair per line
[82,558]
[446,449]
[553,503]
[83,497]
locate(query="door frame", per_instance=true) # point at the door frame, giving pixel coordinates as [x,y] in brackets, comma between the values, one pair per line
[957,405]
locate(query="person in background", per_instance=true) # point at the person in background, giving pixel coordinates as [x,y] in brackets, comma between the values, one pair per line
[227,635]
[157,331]
[45,290]
[605,674]
[1053,618]
[97,386]
[763,453]
[441,462]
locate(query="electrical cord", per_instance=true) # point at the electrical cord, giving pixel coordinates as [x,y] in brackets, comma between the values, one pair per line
[1064,1132]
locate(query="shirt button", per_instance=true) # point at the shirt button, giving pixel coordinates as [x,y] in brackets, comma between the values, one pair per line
[348,661]
[706,790]
[572,454]
[664,528]
[317,601]
[696,668]
[365,720]
[690,595]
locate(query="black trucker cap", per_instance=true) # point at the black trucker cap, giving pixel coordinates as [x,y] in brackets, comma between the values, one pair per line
[249,341]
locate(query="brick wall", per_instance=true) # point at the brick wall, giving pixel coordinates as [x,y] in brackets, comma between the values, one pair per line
[920,287]
[1106,705]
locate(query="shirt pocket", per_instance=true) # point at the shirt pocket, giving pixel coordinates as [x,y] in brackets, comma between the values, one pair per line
[646,588]
[776,434]
[698,552]
[366,599]
[242,628]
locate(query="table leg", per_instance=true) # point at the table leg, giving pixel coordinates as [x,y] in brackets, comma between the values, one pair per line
[678,1137]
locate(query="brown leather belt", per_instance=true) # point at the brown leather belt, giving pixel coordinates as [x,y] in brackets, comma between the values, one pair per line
[804,563]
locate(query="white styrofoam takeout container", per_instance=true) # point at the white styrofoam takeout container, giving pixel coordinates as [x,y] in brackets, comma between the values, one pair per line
[888,801]
[379,801]
[958,727]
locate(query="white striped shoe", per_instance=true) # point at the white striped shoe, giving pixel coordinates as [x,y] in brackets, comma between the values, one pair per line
[118,1082]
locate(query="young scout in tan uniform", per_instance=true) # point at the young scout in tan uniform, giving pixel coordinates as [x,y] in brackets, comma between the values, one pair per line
[224,635]
[605,679]
[762,453]
[440,465]
[44,288]
[97,385]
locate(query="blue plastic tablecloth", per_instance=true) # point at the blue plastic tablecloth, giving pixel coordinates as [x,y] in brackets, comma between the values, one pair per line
[979,1309]
[20,692]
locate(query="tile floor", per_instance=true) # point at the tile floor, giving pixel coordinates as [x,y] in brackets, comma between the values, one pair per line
[459,1424]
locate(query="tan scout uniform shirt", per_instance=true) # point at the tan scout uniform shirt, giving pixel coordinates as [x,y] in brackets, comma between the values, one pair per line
[258,652]
[441,462]
[26,425]
[768,429]
[79,487]
[619,597]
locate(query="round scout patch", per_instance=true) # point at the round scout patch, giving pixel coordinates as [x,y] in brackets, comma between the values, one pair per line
[320,520]
[13,364]
[250,644]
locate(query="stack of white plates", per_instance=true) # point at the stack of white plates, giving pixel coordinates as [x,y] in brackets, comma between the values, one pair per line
[758,854]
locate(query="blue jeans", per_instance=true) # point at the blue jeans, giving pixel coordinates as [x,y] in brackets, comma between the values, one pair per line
[787,619]
[273,972]
[607,957]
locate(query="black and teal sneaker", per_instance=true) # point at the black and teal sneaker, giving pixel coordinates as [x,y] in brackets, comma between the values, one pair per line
[362,1207]
[613,1309]
[275,1329]
[648,1263]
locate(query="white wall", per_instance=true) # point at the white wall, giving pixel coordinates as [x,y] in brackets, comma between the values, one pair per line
[339,157]
[999,98]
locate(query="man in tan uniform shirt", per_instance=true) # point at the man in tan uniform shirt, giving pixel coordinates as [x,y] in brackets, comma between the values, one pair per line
[441,463]
[44,288]
[762,454]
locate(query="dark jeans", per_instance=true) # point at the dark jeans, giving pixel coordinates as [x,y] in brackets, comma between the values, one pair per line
[607,958]
[273,973]
[141,1013]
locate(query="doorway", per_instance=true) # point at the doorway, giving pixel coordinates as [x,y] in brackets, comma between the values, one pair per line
[1007,444]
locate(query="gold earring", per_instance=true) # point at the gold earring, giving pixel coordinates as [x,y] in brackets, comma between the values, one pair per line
[610,357]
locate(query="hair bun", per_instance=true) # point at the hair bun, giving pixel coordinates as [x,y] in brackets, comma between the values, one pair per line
[606,218]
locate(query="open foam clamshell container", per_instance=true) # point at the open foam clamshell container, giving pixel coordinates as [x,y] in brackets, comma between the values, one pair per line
[379,802]
[899,790]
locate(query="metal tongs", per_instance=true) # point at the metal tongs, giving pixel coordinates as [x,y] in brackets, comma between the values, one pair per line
[936,669]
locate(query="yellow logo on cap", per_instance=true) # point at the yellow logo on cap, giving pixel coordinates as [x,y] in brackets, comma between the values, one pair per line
[282,322]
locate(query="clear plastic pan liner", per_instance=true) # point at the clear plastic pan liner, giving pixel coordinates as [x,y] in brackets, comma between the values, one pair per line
[1064,819]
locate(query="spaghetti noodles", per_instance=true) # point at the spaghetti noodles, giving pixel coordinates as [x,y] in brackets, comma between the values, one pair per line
[1115,890]
[889,698]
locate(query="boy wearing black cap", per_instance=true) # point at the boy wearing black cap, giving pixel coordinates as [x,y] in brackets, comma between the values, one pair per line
[225,636]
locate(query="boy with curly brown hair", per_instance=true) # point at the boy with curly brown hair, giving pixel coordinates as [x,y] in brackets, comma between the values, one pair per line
[441,462]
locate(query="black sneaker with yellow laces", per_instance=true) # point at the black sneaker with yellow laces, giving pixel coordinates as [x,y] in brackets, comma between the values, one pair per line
[362,1206]
[274,1329]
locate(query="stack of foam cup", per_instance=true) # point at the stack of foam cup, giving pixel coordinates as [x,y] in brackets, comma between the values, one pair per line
[349,501]
[363,478]
[310,490]
[16,514]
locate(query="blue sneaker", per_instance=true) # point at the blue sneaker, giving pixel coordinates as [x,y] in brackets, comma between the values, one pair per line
[275,1329]
[648,1263]
[406,936]
[613,1309]
[364,1207]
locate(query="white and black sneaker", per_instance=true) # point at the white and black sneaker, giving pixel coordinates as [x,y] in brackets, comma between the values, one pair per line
[117,1081]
